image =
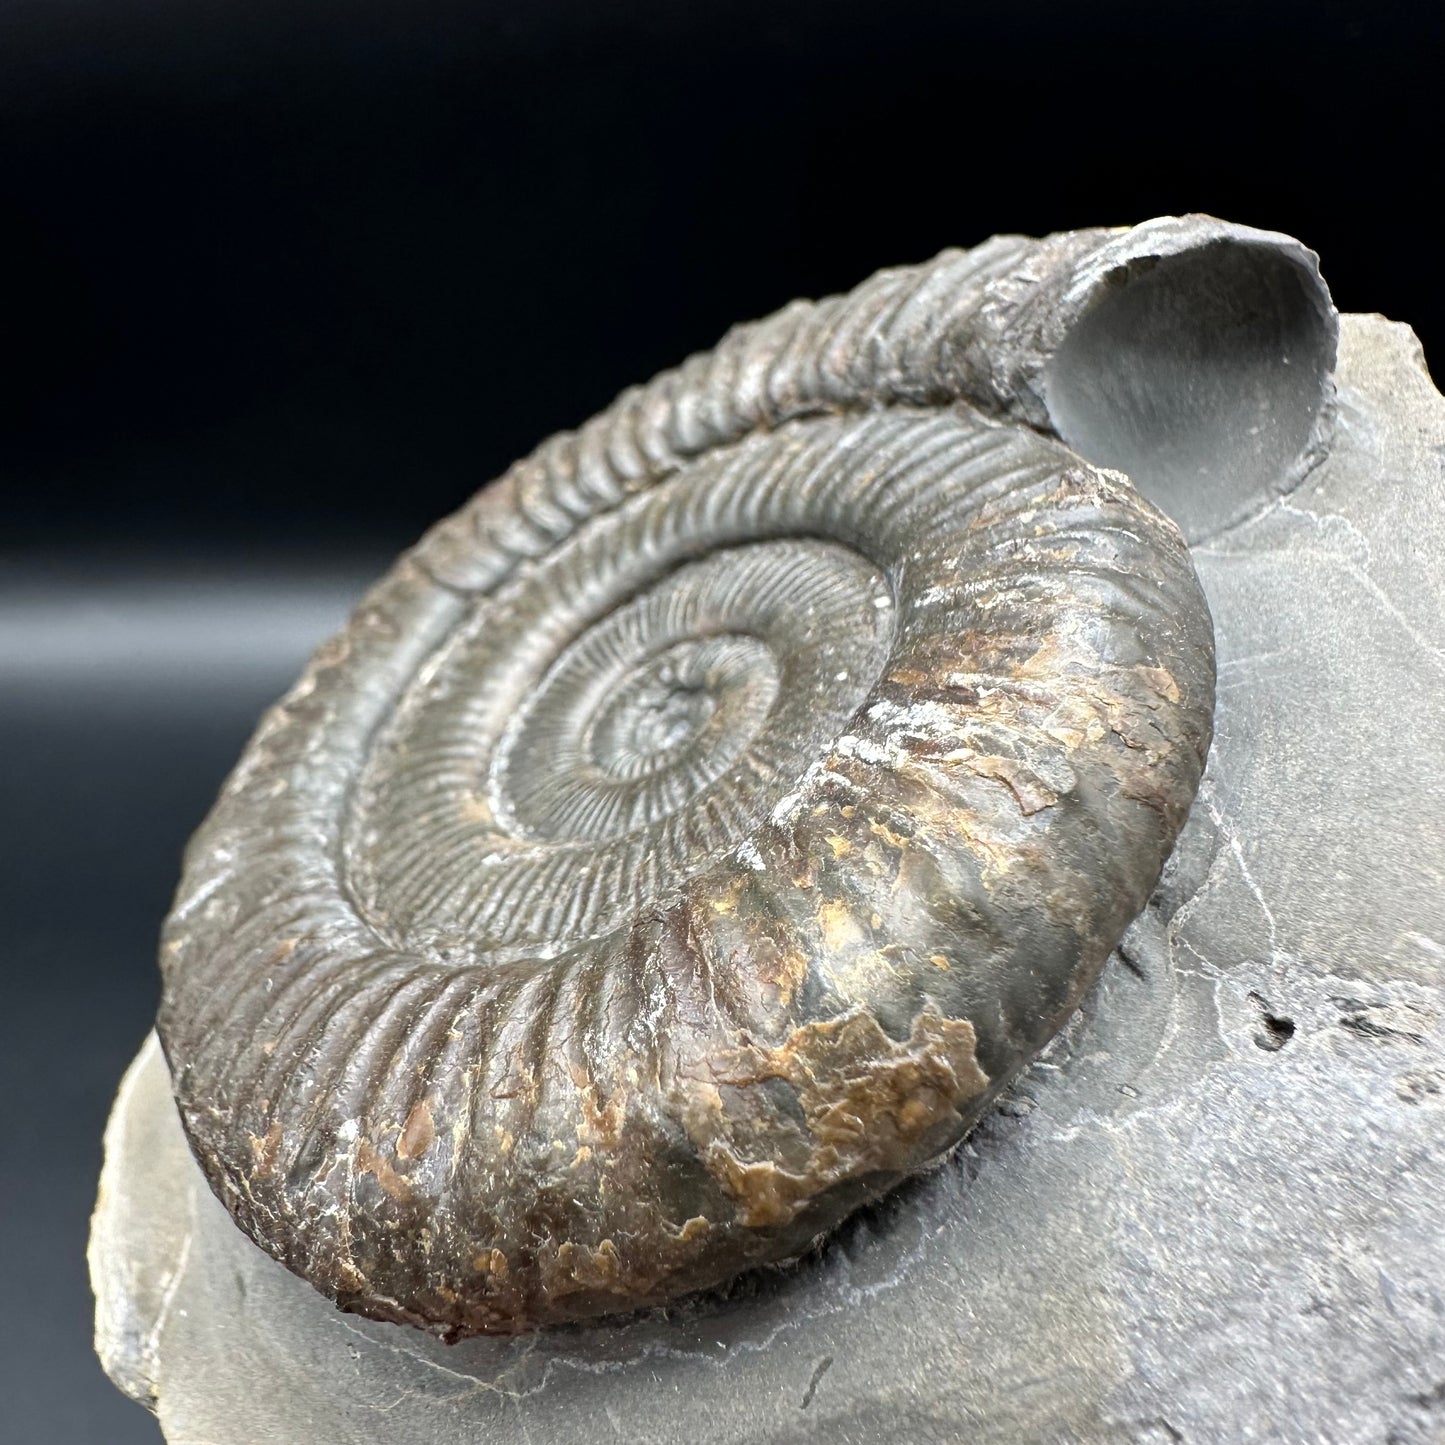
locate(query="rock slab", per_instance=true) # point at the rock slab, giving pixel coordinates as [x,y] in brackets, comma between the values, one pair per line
[1211,1211]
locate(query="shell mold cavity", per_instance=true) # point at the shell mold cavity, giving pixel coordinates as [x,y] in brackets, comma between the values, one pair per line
[690,836]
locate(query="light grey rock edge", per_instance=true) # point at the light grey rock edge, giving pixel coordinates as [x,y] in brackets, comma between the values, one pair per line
[1211,1212]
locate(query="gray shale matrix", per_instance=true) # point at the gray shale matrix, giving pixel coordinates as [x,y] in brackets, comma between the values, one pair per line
[1210,1210]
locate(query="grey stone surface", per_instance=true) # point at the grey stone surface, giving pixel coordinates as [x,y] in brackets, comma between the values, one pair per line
[1210,1212]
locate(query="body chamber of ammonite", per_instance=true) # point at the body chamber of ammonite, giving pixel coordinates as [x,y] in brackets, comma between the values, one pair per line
[691,836]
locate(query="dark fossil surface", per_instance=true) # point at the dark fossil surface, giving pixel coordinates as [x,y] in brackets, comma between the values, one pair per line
[688,839]
[1210,1209]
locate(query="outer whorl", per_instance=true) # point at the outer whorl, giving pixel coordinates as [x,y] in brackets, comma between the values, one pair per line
[688,838]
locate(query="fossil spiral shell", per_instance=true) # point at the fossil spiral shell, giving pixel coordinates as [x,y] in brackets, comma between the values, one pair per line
[688,838]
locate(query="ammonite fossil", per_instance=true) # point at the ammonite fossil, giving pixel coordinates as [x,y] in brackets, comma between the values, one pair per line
[691,836]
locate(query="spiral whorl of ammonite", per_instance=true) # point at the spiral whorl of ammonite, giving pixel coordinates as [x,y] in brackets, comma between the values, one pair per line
[690,837]
[616,723]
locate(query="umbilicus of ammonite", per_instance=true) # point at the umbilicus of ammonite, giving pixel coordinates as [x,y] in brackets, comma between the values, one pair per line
[690,837]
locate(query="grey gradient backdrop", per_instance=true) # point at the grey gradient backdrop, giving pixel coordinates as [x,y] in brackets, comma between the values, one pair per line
[285,282]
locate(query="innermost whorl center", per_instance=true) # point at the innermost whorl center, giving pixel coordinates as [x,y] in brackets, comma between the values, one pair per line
[749,658]
[700,696]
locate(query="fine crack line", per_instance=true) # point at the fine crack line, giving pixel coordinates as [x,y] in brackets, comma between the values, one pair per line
[1226,831]
[151,1348]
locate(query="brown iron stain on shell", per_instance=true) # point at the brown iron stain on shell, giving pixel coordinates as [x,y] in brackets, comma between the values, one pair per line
[867,1103]
[689,838]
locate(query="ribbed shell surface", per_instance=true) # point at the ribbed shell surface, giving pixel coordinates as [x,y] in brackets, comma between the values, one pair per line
[689,838]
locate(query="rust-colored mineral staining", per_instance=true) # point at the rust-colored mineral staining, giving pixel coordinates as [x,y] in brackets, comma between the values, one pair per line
[867,1104]
[690,837]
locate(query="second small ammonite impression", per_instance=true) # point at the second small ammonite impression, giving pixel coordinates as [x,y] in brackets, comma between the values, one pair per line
[690,837]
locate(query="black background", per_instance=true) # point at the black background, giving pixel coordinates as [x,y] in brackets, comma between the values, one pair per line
[283,282]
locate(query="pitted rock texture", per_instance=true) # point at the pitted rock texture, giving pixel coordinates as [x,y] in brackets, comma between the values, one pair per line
[689,839]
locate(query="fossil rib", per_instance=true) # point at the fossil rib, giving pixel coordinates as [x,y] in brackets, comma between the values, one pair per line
[688,838]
